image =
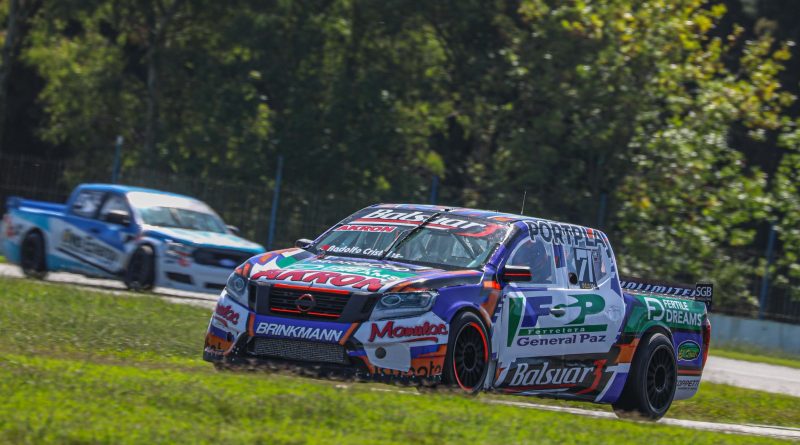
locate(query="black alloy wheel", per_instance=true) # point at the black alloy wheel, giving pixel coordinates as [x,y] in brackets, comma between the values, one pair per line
[652,380]
[661,379]
[468,353]
[140,274]
[32,256]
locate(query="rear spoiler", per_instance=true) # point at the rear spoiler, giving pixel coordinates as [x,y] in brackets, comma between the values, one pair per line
[702,292]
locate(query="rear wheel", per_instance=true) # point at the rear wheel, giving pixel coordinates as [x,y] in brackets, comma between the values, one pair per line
[32,256]
[650,388]
[140,274]
[467,353]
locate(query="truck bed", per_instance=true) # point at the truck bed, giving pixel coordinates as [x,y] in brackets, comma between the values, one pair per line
[30,205]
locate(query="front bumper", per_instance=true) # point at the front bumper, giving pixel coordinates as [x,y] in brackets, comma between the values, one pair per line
[411,348]
[183,274]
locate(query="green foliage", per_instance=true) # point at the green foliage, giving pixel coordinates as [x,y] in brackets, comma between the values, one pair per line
[637,116]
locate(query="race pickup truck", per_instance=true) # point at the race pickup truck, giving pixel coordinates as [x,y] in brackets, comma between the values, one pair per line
[144,237]
[475,299]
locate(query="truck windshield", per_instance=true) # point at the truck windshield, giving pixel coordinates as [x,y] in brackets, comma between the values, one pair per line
[448,242]
[176,212]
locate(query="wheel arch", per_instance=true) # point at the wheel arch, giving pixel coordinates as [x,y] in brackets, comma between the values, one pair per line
[466,307]
[146,242]
[649,332]
[655,329]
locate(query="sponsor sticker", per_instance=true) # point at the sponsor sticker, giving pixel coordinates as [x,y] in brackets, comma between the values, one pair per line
[88,246]
[416,218]
[418,368]
[337,279]
[300,329]
[524,315]
[364,228]
[675,312]
[545,375]
[371,270]
[226,314]
[688,351]
[424,331]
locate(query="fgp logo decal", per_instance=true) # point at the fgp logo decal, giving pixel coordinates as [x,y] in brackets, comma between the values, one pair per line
[524,315]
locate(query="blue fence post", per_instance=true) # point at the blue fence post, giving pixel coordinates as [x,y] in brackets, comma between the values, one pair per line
[762,298]
[434,189]
[117,159]
[273,212]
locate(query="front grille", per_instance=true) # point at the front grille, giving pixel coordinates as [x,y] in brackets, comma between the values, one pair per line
[220,257]
[300,350]
[179,277]
[326,305]
[215,286]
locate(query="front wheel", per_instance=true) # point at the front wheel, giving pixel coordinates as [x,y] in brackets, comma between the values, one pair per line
[32,256]
[140,274]
[467,353]
[651,384]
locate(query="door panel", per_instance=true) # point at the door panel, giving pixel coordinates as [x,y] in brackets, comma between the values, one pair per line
[555,337]
[86,244]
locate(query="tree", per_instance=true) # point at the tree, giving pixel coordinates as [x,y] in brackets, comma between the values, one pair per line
[17,16]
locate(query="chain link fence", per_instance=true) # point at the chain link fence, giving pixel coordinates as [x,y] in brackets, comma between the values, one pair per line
[303,210]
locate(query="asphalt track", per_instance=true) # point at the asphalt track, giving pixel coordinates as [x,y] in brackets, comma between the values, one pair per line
[758,376]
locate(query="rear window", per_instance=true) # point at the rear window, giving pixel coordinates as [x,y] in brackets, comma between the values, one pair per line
[87,202]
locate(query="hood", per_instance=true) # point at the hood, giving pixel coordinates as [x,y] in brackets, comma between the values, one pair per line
[197,238]
[299,268]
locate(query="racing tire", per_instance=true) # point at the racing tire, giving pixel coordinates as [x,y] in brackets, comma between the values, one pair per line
[467,360]
[140,274]
[33,260]
[650,388]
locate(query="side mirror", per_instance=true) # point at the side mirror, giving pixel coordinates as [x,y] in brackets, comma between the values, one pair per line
[119,217]
[515,273]
[303,243]
[233,229]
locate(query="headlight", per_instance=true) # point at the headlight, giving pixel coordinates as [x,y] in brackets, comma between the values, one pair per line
[178,249]
[236,288]
[403,304]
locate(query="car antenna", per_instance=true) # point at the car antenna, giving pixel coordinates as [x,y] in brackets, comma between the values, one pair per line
[524,195]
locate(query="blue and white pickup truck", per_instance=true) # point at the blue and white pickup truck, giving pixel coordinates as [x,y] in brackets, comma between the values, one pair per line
[144,237]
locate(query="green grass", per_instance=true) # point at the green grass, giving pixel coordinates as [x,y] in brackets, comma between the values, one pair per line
[746,354]
[85,367]
[2,259]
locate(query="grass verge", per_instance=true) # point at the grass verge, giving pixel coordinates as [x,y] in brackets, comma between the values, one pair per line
[79,366]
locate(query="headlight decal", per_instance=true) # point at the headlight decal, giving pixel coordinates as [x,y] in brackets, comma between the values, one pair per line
[403,304]
[236,288]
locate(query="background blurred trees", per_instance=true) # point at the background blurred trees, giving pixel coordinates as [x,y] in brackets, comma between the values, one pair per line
[672,124]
